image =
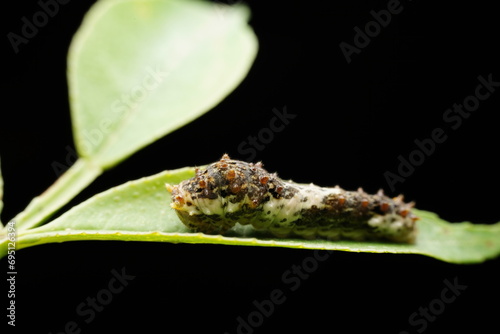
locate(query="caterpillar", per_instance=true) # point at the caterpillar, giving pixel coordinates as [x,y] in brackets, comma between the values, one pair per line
[232,191]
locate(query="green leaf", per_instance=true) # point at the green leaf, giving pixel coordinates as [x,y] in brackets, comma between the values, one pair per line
[140,211]
[139,69]
[1,195]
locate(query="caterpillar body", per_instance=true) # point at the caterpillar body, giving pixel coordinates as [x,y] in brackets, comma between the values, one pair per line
[232,191]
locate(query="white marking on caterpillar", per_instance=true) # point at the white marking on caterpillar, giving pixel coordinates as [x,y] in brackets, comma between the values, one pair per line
[232,191]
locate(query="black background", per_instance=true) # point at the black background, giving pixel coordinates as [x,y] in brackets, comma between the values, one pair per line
[353,121]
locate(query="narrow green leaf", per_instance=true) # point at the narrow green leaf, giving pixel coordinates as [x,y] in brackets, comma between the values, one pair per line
[139,69]
[1,195]
[140,211]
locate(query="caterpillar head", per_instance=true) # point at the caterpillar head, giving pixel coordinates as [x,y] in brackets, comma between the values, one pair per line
[225,192]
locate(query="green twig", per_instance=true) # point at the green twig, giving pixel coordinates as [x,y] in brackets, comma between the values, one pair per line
[74,180]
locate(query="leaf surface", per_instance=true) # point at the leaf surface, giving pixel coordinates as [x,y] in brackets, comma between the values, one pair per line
[139,69]
[139,211]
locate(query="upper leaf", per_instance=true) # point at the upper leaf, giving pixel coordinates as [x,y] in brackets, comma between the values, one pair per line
[138,69]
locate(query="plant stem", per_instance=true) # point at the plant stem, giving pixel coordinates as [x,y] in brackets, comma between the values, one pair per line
[74,180]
